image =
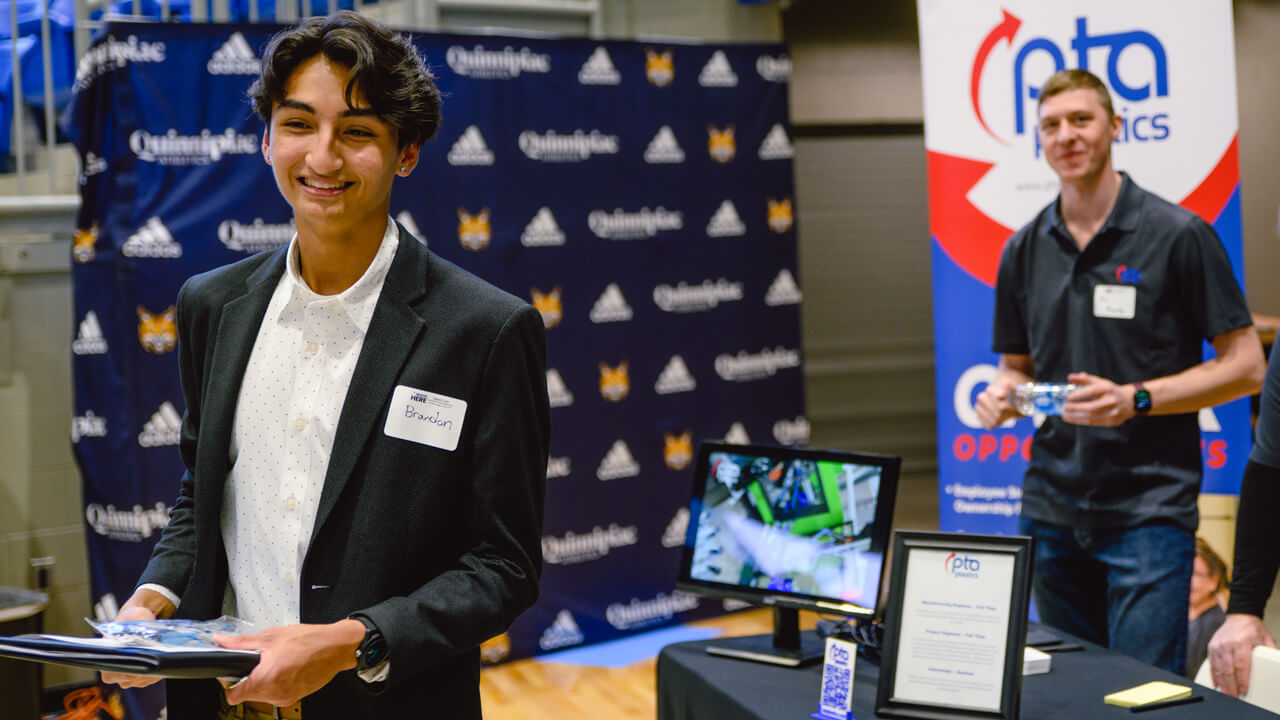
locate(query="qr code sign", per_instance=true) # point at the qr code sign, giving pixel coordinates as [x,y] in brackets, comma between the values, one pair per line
[835,688]
[837,680]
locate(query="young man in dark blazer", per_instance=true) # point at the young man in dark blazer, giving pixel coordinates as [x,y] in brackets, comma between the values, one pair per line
[367,425]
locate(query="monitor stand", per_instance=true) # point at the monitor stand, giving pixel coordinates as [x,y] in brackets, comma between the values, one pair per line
[787,647]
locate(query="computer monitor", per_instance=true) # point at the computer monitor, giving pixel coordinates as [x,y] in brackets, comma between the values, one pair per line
[790,528]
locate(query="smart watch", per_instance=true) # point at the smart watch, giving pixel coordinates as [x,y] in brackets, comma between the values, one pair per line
[373,648]
[1141,399]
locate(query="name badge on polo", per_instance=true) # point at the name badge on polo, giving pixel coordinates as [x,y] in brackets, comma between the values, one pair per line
[425,417]
[1115,301]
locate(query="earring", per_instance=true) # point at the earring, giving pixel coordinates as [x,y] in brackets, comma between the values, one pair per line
[403,168]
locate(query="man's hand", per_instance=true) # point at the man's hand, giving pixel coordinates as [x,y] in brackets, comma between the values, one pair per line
[142,605]
[296,661]
[993,405]
[1231,651]
[1097,401]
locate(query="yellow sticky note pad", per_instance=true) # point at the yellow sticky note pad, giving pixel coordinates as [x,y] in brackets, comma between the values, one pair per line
[1154,691]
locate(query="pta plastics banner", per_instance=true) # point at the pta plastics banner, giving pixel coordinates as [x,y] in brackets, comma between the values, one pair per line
[1170,67]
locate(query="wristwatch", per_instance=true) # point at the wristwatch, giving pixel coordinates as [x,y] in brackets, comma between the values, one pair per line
[1141,399]
[373,648]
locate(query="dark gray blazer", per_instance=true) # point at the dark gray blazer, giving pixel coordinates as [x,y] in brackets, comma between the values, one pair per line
[441,550]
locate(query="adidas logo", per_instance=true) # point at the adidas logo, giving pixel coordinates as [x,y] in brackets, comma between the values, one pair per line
[663,148]
[470,149]
[557,392]
[618,463]
[599,69]
[88,425]
[152,240]
[564,631]
[776,145]
[717,72]
[725,222]
[737,435]
[235,57]
[675,378]
[677,529]
[164,427]
[774,69]
[611,306]
[89,341]
[542,230]
[557,467]
[405,219]
[792,432]
[783,290]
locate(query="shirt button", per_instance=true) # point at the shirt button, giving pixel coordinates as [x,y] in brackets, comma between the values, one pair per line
[299,424]
[288,577]
[312,348]
[291,503]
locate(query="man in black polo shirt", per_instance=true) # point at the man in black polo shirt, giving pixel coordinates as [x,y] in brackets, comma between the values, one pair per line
[1114,290]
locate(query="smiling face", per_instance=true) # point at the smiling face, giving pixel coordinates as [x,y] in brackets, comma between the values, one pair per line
[334,163]
[1076,133]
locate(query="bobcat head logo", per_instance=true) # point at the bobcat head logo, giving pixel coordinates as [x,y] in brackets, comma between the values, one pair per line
[659,67]
[82,248]
[720,144]
[549,305]
[678,451]
[614,383]
[780,215]
[495,649]
[473,230]
[157,333]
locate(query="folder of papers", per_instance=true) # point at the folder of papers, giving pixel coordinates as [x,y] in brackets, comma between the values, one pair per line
[1154,691]
[112,655]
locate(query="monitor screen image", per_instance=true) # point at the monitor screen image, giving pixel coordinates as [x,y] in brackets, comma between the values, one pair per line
[790,527]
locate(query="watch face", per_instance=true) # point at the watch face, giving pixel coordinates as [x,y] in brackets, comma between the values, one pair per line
[1141,400]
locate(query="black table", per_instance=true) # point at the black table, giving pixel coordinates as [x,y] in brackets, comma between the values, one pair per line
[693,685]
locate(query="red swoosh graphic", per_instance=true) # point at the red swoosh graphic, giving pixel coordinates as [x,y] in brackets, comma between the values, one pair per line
[1007,28]
[1209,199]
[971,239]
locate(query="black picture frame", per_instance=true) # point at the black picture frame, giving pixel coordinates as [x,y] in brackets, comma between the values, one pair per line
[904,543]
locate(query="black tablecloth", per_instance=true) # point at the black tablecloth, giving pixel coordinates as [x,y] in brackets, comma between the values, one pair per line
[693,685]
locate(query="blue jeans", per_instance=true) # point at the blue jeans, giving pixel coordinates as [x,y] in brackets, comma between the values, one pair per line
[1127,589]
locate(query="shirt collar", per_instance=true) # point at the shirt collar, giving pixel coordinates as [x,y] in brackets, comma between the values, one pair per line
[356,302]
[1123,218]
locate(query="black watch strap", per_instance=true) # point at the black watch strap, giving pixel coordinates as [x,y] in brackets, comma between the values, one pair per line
[372,650]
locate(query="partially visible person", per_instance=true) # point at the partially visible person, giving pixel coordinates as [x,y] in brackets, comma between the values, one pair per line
[1208,582]
[1257,551]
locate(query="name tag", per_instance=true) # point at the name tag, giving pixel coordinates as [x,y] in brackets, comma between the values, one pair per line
[1115,301]
[425,417]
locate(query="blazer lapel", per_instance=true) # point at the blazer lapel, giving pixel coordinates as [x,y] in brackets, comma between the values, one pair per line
[393,331]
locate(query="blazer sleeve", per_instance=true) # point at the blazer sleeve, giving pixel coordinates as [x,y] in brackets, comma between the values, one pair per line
[496,577]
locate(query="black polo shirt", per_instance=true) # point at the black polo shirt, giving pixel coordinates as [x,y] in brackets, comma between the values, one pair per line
[1136,304]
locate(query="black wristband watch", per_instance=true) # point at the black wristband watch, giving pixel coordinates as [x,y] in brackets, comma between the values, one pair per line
[373,648]
[1141,399]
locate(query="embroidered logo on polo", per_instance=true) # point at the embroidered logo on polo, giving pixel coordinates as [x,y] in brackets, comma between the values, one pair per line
[611,306]
[599,69]
[663,148]
[133,525]
[618,463]
[776,145]
[89,338]
[152,240]
[747,366]
[737,435]
[554,147]
[235,57]
[542,230]
[88,425]
[615,384]
[549,305]
[707,295]
[558,467]
[677,450]
[792,432]
[470,149]
[675,378]
[718,72]
[574,548]
[255,236]
[659,68]
[642,223]
[774,69]
[157,332]
[783,290]
[174,149]
[1126,274]
[163,429]
[564,631]
[474,231]
[720,144]
[639,613]
[677,529]
[504,64]
[780,215]
[726,222]
[557,392]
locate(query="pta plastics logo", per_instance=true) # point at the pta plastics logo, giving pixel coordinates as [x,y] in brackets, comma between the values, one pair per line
[1127,86]
[962,566]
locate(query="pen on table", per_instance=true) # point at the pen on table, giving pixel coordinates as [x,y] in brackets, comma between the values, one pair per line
[1065,647]
[1167,703]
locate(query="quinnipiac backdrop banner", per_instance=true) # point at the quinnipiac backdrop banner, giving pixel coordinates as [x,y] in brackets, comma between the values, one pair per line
[639,195]
[1170,67]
